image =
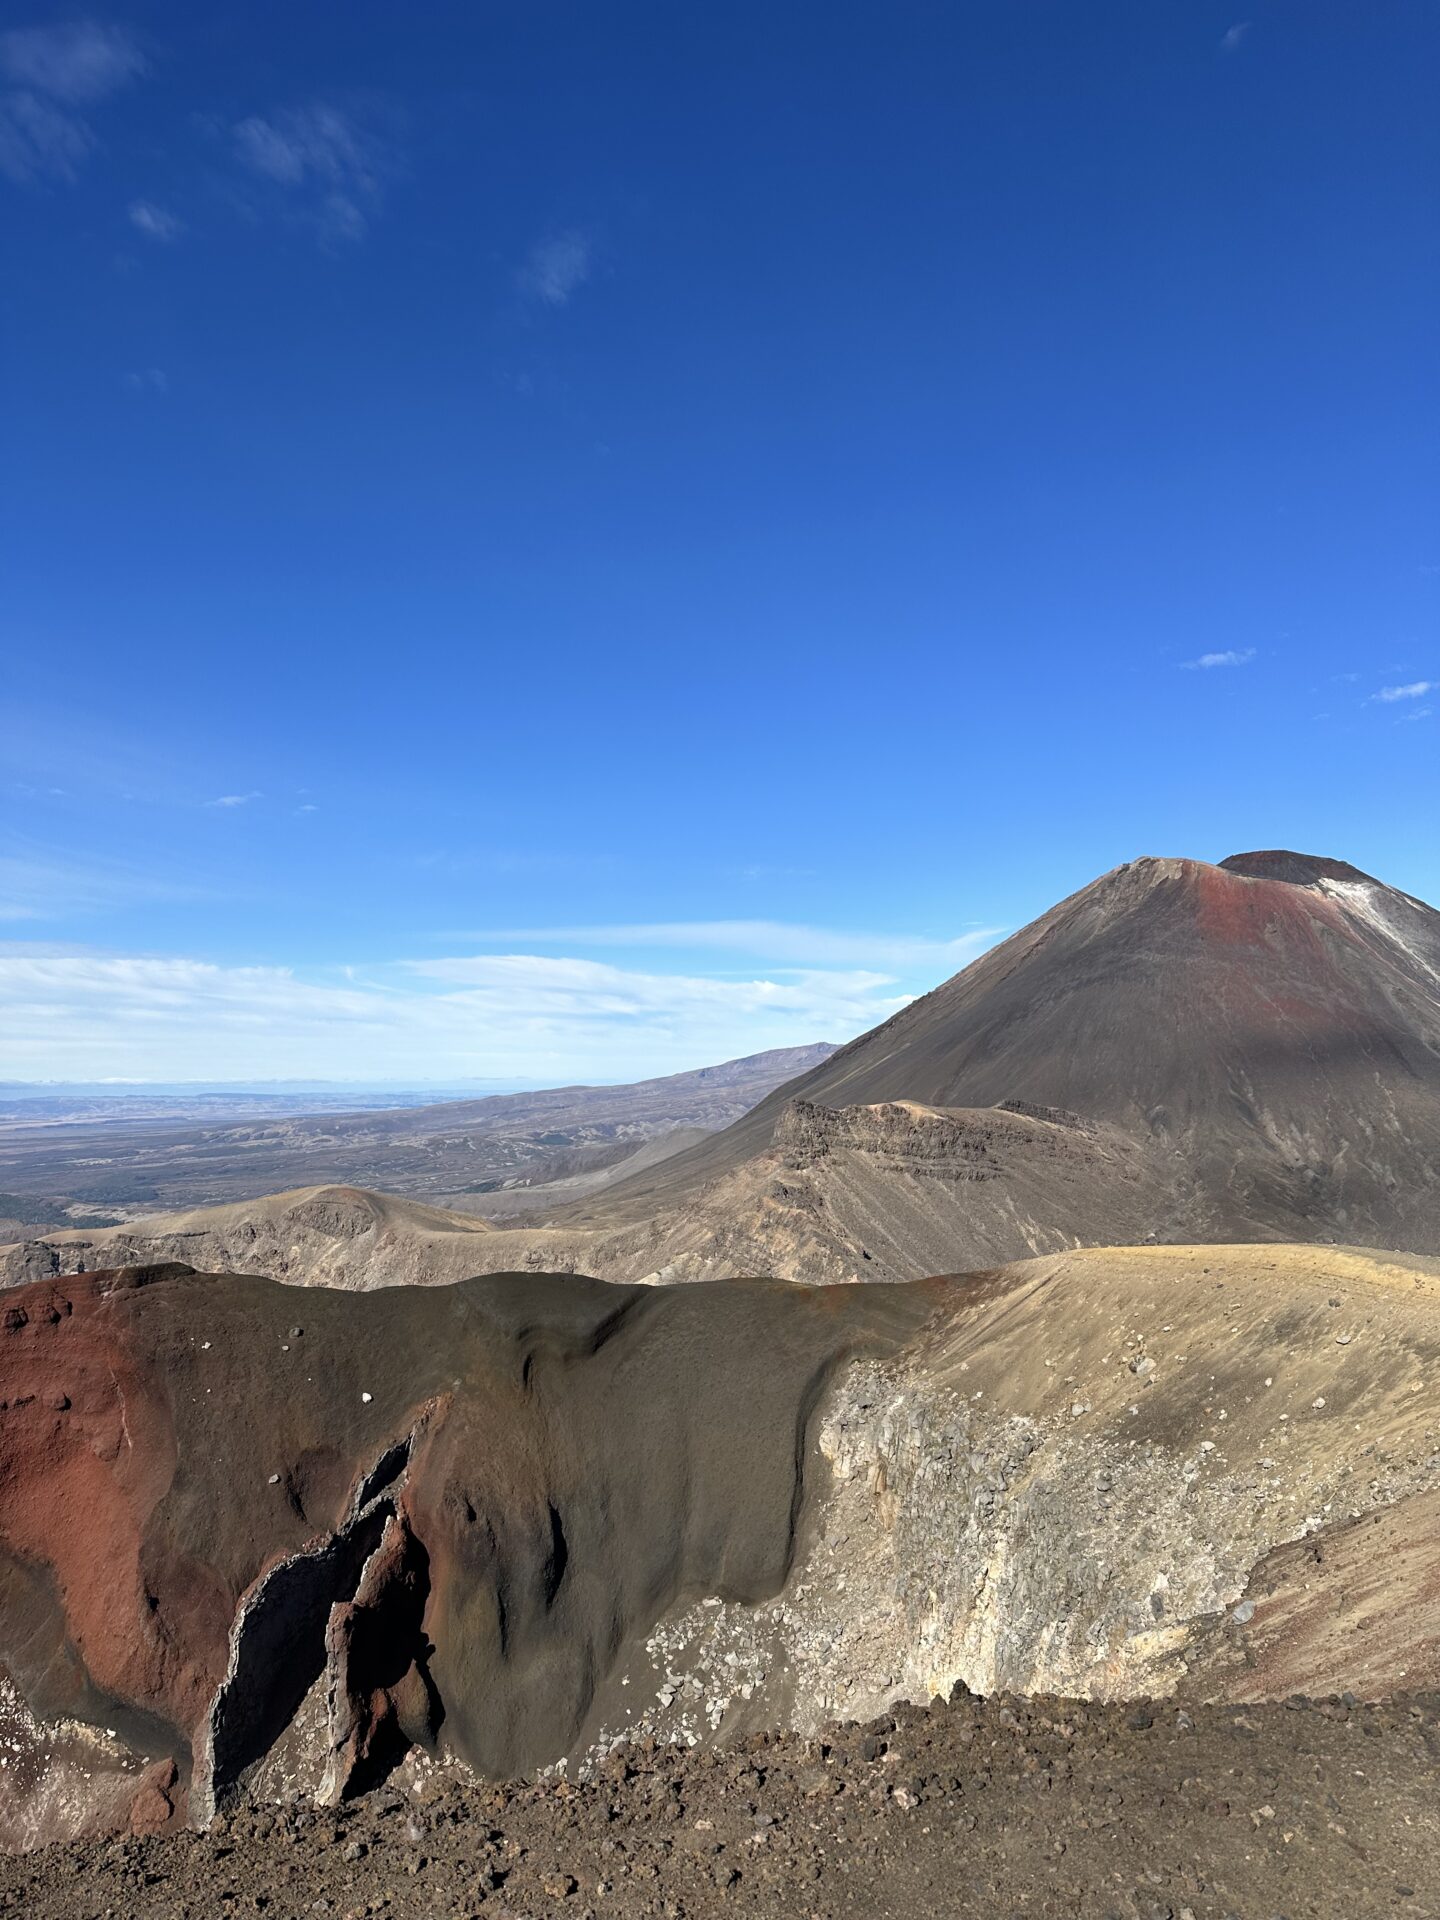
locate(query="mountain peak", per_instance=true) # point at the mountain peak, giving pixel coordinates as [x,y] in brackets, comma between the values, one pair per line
[1298,869]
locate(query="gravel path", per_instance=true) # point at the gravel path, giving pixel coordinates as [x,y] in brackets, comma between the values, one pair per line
[986,1808]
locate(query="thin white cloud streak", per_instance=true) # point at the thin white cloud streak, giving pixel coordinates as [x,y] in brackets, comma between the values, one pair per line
[154,222]
[1234,657]
[1233,37]
[52,72]
[234,799]
[91,1016]
[773,940]
[555,268]
[1414,690]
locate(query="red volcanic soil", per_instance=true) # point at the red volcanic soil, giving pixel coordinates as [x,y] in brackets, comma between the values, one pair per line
[1260,911]
[88,1451]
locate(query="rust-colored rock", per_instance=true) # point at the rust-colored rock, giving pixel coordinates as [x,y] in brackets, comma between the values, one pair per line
[155,1803]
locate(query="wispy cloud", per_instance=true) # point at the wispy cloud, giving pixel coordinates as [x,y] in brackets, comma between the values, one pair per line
[555,268]
[80,61]
[234,799]
[148,380]
[154,222]
[770,940]
[1234,657]
[1416,713]
[83,1016]
[1413,690]
[38,139]
[37,883]
[1233,37]
[51,74]
[328,167]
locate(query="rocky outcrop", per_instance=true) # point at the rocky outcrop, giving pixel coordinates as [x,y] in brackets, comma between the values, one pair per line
[1108,1475]
[257,1541]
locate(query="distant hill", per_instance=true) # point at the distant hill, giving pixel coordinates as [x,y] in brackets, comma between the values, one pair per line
[456,1150]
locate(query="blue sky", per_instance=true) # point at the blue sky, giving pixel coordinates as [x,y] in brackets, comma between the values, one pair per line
[550,540]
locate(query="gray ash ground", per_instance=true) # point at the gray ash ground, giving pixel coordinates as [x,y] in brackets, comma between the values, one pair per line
[987,1808]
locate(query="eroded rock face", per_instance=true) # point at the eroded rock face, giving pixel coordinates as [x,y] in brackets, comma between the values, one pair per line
[1109,1475]
[213,1507]
[254,1539]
